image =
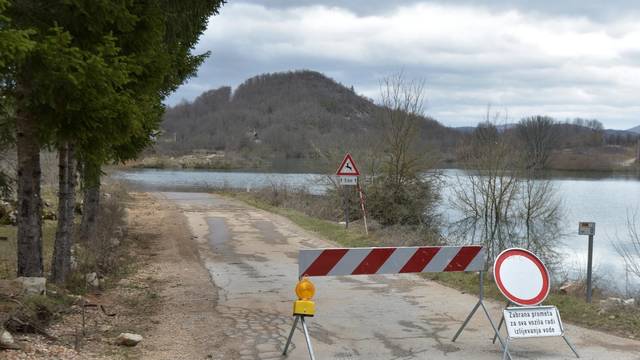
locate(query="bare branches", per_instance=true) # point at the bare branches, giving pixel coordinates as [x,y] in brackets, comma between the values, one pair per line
[539,136]
[501,204]
[630,250]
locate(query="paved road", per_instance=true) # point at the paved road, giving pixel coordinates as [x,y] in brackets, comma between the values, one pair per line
[251,256]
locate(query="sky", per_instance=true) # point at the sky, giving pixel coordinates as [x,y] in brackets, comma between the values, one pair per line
[519,58]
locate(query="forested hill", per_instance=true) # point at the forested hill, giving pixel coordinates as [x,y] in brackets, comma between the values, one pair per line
[283,115]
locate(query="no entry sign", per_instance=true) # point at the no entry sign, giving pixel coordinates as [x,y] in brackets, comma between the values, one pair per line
[521,277]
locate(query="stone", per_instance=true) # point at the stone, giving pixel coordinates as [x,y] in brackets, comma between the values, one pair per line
[92,279]
[571,288]
[629,302]
[114,241]
[610,303]
[6,340]
[73,262]
[128,339]
[33,285]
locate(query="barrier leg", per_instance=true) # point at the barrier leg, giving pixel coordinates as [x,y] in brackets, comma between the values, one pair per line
[495,330]
[506,353]
[501,322]
[306,335]
[570,346]
[293,329]
[475,308]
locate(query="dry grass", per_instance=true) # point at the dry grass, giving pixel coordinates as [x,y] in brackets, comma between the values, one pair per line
[9,248]
[606,158]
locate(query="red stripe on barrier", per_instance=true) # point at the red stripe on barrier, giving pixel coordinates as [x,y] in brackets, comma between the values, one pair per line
[419,260]
[373,261]
[463,258]
[325,262]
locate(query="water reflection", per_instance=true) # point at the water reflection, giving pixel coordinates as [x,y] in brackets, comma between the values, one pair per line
[600,197]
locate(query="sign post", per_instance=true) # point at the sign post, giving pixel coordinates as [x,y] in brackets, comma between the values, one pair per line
[588,228]
[348,174]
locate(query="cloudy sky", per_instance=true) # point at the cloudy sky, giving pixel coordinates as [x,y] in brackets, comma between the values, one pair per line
[572,58]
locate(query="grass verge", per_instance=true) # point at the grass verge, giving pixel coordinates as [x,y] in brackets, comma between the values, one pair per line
[623,321]
[9,248]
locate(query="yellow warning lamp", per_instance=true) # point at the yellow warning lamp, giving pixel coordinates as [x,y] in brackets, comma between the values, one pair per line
[304,305]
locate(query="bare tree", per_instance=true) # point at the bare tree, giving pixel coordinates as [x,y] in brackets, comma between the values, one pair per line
[402,192]
[539,137]
[630,250]
[501,204]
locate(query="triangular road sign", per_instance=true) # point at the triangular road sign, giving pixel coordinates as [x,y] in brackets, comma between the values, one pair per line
[348,167]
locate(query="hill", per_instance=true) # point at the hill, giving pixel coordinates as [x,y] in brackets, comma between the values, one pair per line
[284,115]
[635,129]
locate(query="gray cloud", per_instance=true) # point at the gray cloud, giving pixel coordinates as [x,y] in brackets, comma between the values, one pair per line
[563,60]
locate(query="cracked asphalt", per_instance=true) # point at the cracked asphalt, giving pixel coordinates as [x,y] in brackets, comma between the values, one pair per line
[251,258]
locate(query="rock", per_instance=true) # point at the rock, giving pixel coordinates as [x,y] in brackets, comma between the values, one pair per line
[33,285]
[629,302]
[73,262]
[118,232]
[6,340]
[92,279]
[13,218]
[571,288]
[114,241]
[128,339]
[125,282]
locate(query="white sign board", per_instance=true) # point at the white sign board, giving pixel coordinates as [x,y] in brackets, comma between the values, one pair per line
[587,228]
[533,321]
[348,180]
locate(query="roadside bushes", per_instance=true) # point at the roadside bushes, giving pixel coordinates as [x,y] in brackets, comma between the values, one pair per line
[410,204]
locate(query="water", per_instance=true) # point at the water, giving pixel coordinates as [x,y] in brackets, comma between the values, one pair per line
[603,198]
[192,179]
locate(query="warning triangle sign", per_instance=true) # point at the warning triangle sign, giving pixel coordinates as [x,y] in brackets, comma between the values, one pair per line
[348,167]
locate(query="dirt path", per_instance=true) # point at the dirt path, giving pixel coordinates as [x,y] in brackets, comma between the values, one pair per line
[186,325]
[229,270]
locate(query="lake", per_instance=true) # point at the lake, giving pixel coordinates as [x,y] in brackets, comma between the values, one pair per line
[603,198]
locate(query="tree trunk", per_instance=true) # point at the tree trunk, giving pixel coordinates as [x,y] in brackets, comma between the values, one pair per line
[91,203]
[29,201]
[61,262]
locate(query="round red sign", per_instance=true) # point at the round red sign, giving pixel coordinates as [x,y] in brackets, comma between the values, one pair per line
[521,277]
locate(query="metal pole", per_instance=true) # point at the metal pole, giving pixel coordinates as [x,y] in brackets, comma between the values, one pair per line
[464,324]
[501,321]
[571,346]
[306,335]
[506,351]
[589,266]
[346,206]
[293,329]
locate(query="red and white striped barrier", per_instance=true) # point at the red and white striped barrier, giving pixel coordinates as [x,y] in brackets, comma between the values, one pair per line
[390,260]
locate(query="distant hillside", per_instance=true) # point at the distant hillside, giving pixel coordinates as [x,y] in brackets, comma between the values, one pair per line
[635,129]
[282,115]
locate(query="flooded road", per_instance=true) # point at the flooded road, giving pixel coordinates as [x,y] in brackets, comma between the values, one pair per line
[251,257]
